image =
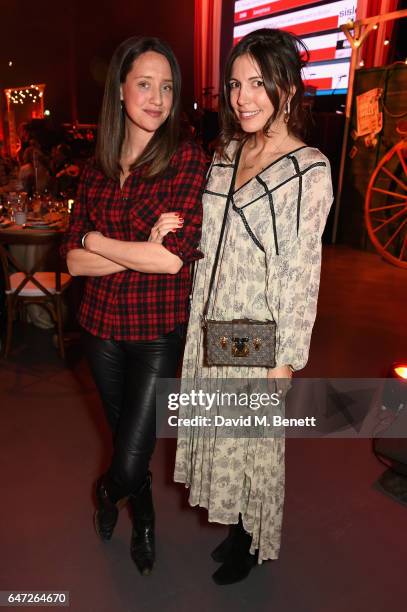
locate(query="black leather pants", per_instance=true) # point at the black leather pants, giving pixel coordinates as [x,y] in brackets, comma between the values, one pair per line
[126,374]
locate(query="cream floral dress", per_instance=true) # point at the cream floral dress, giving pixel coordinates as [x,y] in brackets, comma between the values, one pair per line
[269,268]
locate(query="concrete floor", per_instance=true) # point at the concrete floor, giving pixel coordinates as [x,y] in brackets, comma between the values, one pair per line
[344,543]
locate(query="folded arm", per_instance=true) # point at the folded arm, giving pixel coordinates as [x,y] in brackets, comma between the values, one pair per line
[104,255]
[84,263]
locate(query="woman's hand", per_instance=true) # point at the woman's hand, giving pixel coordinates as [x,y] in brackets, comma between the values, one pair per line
[167,222]
[282,377]
[281,372]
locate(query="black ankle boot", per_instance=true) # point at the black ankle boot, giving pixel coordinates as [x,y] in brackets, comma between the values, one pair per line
[107,512]
[221,552]
[142,547]
[239,561]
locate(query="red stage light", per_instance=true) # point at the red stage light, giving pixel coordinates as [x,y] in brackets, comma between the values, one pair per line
[400,370]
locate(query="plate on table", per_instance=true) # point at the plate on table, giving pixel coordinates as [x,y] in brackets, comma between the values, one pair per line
[39,225]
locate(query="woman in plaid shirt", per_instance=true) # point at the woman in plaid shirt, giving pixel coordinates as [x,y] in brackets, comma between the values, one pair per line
[135,304]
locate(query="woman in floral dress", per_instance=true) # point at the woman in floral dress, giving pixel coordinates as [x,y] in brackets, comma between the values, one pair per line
[269,268]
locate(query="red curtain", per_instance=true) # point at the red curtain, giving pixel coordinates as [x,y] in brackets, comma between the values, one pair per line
[2,144]
[208,15]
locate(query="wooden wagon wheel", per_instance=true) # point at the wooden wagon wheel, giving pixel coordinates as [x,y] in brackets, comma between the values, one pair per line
[386,206]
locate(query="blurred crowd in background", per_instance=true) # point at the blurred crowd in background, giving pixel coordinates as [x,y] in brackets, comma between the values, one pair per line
[48,160]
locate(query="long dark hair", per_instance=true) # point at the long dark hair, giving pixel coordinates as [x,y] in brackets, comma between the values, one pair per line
[280,56]
[163,144]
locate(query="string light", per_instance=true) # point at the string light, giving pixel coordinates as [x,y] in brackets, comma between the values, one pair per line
[361,63]
[19,96]
[375,26]
[386,42]
[10,63]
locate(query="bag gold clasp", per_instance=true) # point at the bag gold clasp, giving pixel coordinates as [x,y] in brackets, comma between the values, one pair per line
[240,348]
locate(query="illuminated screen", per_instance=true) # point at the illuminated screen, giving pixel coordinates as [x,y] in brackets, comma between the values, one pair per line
[317,24]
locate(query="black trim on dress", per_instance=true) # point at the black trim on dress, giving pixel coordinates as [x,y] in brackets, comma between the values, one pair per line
[273,212]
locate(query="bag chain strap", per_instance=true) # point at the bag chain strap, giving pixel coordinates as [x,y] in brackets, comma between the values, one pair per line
[222,232]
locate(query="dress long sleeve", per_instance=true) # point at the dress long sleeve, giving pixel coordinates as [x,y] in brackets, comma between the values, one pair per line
[296,270]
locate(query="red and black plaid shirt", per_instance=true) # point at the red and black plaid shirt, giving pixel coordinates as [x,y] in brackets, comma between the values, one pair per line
[133,305]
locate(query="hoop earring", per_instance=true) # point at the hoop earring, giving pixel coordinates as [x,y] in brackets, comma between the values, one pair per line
[287,111]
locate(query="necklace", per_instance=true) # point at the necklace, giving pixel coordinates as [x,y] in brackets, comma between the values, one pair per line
[251,166]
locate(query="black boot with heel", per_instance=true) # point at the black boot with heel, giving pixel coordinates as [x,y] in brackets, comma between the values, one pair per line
[107,512]
[221,552]
[142,547]
[234,552]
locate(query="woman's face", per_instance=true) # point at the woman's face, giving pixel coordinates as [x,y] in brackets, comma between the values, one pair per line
[248,96]
[147,91]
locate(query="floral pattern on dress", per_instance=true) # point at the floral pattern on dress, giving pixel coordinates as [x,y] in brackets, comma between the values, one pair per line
[279,281]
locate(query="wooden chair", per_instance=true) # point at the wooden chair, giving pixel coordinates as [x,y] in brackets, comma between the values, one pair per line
[24,287]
